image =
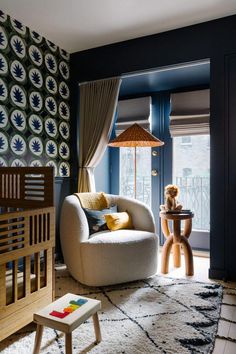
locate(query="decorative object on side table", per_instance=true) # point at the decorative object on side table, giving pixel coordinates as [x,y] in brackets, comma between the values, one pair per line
[171,203]
[172,210]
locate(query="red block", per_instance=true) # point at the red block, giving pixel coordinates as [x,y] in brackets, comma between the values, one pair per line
[59,314]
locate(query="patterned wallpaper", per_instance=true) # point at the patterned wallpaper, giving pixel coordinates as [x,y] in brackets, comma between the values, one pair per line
[34,94]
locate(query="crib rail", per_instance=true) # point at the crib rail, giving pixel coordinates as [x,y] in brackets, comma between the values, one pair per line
[26,187]
[24,232]
[30,290]
[27,240]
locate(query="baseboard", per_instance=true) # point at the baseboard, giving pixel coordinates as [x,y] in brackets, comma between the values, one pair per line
[219,274]
[197,253]
[201,253]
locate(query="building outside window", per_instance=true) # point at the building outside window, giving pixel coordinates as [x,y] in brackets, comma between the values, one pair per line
[191,172]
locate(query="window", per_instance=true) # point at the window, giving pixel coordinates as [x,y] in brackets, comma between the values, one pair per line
[191,173]
[143,173]
[186,140]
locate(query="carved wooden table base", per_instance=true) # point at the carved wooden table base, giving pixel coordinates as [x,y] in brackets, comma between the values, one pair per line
[176,240]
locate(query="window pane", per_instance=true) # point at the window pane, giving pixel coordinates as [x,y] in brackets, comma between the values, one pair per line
[143,173]
[191,173]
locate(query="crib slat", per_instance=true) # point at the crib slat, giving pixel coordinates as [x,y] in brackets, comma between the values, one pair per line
[14,282]
[5,223]
[1,186]
[37,269]
[48,226]
[11,232]
[20,243]
[35,229]
[14,186]
[6,186]
[46,271]
[44,227]
[50,269]
[27,276]
[3,284]
[39,228]
[24,251]
[31,238]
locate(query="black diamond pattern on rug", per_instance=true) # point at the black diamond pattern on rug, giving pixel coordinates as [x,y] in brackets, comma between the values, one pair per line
[157,315]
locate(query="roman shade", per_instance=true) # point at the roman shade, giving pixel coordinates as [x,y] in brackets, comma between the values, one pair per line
[136,110]
[190,113]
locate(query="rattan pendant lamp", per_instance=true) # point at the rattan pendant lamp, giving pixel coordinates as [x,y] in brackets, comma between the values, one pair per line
[135,136]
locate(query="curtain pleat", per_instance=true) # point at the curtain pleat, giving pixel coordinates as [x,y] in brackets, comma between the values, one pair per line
[98,101]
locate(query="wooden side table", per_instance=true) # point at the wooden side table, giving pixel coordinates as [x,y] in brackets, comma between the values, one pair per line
[176,240]
[66,314]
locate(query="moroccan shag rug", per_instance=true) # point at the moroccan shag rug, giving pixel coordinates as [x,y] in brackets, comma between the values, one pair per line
[157,315]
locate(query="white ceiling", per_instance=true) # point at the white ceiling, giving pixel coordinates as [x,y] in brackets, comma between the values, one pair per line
[76,25]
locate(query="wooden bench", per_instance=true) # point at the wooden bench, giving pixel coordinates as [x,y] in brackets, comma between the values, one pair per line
[66,314]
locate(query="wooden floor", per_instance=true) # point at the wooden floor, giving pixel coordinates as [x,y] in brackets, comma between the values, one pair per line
[225,329]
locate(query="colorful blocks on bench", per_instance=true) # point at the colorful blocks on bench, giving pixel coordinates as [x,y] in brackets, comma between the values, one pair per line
[59,314]
[73,305]
[78,302]
[68,309]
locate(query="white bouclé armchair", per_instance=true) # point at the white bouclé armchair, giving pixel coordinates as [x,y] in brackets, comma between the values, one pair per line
[109,257]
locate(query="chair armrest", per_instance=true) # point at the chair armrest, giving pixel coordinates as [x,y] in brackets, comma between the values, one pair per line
[73,223]
[141,214]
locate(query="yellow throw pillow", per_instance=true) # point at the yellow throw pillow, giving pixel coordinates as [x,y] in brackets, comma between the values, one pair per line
[95,201]
[117,221]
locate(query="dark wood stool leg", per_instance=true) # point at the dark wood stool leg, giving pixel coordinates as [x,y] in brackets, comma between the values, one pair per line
[187,228]
[38,338]
[165,255]
[97,328]
[68,338]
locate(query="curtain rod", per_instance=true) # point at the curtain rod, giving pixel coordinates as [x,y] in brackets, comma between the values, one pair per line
[148,71]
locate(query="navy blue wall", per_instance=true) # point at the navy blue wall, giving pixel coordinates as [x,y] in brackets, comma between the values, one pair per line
[214,40]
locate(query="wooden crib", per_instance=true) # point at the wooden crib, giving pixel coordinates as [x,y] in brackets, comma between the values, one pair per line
[27,239]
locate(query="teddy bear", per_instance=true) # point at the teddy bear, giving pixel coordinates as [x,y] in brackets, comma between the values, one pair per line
[171,194]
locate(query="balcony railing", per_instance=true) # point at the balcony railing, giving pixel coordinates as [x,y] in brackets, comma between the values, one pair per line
[195,195]
[143,188]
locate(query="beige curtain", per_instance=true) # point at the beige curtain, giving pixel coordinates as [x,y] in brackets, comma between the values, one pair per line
[98,101]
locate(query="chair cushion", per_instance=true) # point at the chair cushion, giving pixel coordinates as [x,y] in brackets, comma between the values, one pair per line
[117,221]
[119,236]
[112,257]
[96,220]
